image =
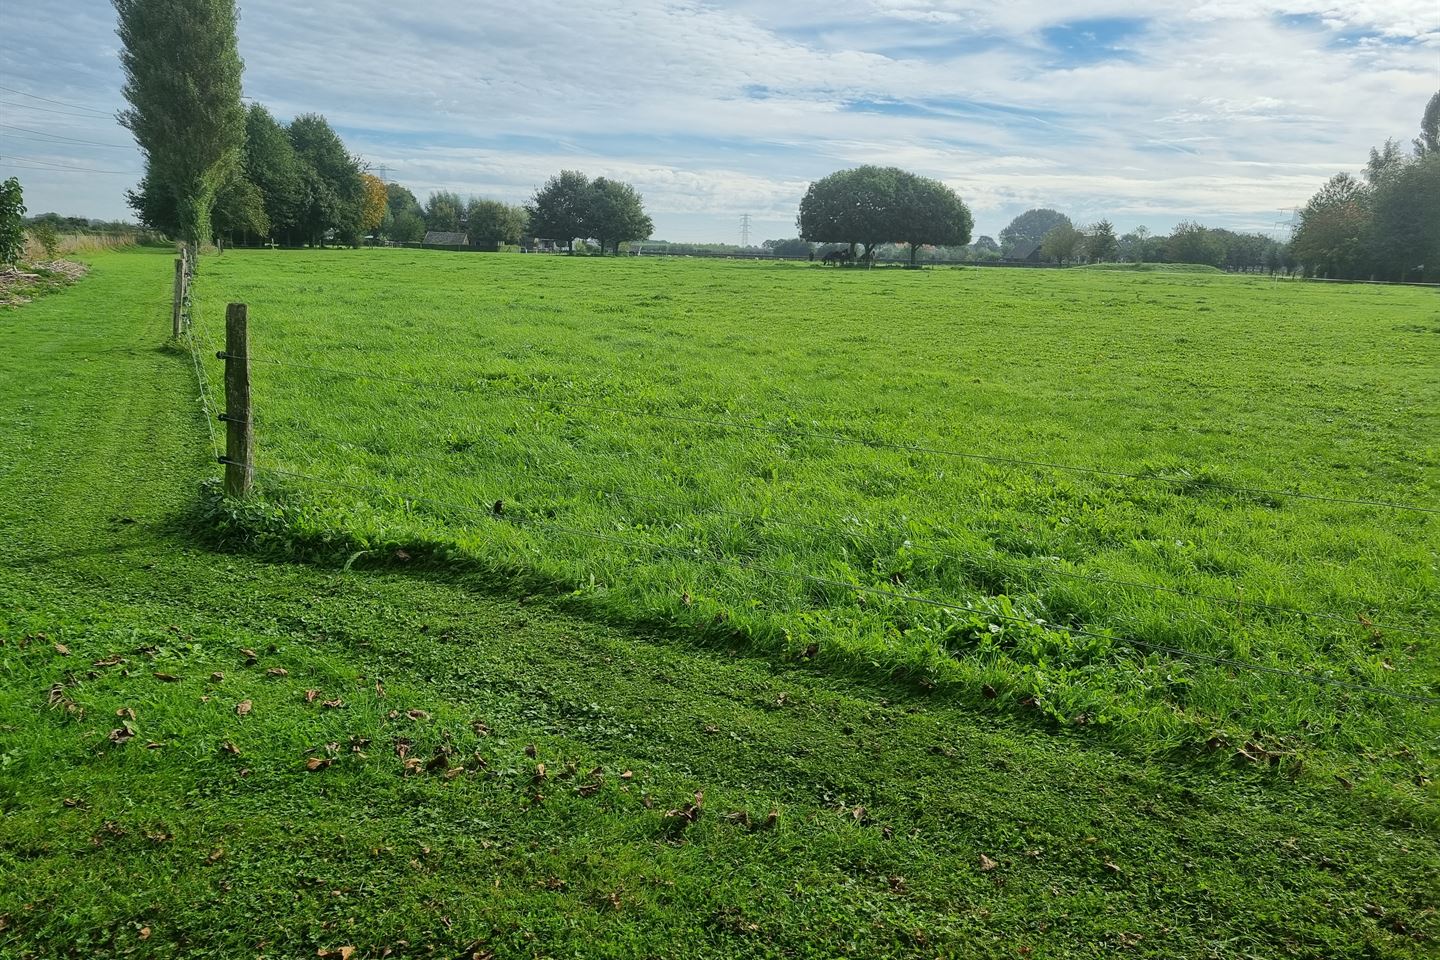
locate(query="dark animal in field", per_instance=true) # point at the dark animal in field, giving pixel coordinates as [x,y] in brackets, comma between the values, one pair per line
[838,257]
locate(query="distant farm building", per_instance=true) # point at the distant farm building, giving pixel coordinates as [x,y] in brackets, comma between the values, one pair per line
[445,238]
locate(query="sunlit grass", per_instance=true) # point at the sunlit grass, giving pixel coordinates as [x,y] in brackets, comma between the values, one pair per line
[537,374]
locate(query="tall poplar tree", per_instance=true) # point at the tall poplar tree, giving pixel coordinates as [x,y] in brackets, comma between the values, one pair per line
[182,78]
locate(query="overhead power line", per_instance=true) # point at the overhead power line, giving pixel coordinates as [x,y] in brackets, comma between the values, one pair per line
[30,163]
[58,103]
[56,136]
[63,113]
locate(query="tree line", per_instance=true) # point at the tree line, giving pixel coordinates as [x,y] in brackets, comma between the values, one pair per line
[215,168]
[1383,225]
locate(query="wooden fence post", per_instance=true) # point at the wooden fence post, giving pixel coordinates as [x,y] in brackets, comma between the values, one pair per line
[179,307]
[239,438]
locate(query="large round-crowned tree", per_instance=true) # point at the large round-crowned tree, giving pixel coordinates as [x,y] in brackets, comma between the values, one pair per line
[873,205]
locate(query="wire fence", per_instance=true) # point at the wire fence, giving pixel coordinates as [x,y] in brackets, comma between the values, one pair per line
[1238,602]
[695,552]
[749,562]
[792,433]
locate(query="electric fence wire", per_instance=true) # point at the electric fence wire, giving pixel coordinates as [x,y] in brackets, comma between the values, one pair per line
[793,433]
[799,575]
[878,542]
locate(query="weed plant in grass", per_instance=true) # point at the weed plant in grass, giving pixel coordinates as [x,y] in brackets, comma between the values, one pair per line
[570,423]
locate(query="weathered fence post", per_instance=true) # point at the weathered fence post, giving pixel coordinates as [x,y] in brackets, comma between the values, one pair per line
[179,307]
[239,438]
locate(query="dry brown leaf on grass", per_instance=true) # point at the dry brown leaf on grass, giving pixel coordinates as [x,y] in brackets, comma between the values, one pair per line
[61,649]
[318,763]
[166,677]
[277,672]
[986,864]
[243,708]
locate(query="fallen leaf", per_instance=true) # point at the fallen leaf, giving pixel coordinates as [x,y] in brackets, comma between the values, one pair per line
[230,748]
[277,672]
[311,696]
[335,704]
[986,864]
[627,775]
[318,763]
[109,661]
[539,772]
[61,649]
[126,713]
[250,655]
[144,933]
[417,714]
[243,707]
[166,677]
[1111,867]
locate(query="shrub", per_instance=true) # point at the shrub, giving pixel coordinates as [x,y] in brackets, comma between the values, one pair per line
[44,235]
[12,228]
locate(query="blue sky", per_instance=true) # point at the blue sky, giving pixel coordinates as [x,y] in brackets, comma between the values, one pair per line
[1224,111]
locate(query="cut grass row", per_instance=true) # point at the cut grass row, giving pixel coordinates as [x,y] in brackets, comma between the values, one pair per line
[553,385]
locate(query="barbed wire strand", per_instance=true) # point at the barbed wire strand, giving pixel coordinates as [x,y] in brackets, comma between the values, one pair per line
[1238,602]
[790,432]
[1179,652]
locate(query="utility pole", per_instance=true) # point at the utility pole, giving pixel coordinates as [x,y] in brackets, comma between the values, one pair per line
[745,230]
[384,173]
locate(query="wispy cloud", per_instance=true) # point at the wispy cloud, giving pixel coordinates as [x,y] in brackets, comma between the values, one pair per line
[1143,112]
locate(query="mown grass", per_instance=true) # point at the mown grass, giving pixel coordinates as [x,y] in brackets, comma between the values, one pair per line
[544,384]
[162,841]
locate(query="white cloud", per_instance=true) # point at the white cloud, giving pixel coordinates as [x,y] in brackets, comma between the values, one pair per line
[1214,109]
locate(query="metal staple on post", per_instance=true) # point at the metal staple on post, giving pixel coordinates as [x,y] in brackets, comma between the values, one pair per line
[239,457]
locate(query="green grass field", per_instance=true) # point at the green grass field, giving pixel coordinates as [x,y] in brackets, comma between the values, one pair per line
[158,727]
[661,436]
